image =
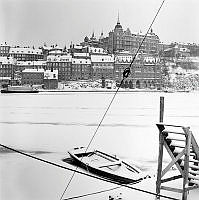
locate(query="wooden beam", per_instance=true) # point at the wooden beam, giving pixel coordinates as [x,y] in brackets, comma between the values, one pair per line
[195,146]
[174,132]
[171,189]
[172,163]
[173,157]
[161,142]
[186,162]
[171,178]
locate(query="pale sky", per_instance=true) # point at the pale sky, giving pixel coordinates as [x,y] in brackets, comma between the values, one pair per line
[33,22]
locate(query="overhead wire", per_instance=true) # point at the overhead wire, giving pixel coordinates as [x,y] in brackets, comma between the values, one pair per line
[126,73]
[86,174]
[93,193]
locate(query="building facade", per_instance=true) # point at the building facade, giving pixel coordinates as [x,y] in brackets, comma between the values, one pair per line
[51,79]
[62,63]
[26,53]
[124,40]
[7,65]
[81,69]
[4,49]
[32,77]
[145,71]
[21,65]
[102,67]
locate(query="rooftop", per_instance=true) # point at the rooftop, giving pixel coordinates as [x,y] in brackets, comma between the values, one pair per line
[25,50]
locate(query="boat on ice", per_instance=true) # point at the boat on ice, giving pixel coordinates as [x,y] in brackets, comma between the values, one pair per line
[105,165]
[19,89]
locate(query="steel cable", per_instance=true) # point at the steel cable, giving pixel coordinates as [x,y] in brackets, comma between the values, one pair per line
[83,173]
[126,73]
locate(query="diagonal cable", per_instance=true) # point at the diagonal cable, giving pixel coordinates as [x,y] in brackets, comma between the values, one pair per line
[91,194]
[125,75]
[86,174]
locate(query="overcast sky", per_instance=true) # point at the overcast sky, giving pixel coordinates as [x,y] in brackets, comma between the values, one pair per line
[33,22]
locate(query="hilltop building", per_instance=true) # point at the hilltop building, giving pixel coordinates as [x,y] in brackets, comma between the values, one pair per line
[124,40]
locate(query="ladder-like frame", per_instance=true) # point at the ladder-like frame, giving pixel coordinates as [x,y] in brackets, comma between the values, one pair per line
[185,157]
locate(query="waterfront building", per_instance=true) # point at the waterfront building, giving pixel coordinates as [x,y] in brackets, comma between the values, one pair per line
[32,77]
[145,71]
[51,79]
[26,53]
[4,49]
[122,60]
[7,65]
[21,65]
[102,67]
[62,63]
[81,69]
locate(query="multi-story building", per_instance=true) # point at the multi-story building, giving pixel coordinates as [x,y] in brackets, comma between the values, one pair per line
[21,65]
[122,61]
[124,40]
[47,78]
[119,40]
[96,51]
[93,41]
[4,49]
[26,53]
[7,65]
[51,79]
[145,71]
[62,63]
[81,69]
[32,76]
[102,66]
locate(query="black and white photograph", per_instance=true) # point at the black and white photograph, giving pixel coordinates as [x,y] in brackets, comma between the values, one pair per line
[99,100]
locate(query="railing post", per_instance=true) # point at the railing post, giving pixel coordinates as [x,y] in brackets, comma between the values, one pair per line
[160,156]
[186,162]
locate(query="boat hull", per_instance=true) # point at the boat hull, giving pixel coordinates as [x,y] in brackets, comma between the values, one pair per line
[77,160]
[19,91]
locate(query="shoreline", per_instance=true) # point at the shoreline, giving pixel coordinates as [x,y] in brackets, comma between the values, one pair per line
[93,90]
[111,90]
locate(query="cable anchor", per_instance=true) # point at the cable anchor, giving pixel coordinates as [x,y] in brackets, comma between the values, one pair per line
[126,72]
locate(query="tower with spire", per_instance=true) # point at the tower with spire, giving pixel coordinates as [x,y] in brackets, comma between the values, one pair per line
[118,26]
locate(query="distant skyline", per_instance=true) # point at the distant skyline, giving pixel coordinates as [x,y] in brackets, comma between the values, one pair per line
[33,22]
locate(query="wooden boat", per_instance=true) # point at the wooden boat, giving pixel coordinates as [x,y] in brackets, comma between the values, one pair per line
[19,89]
[105,165]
